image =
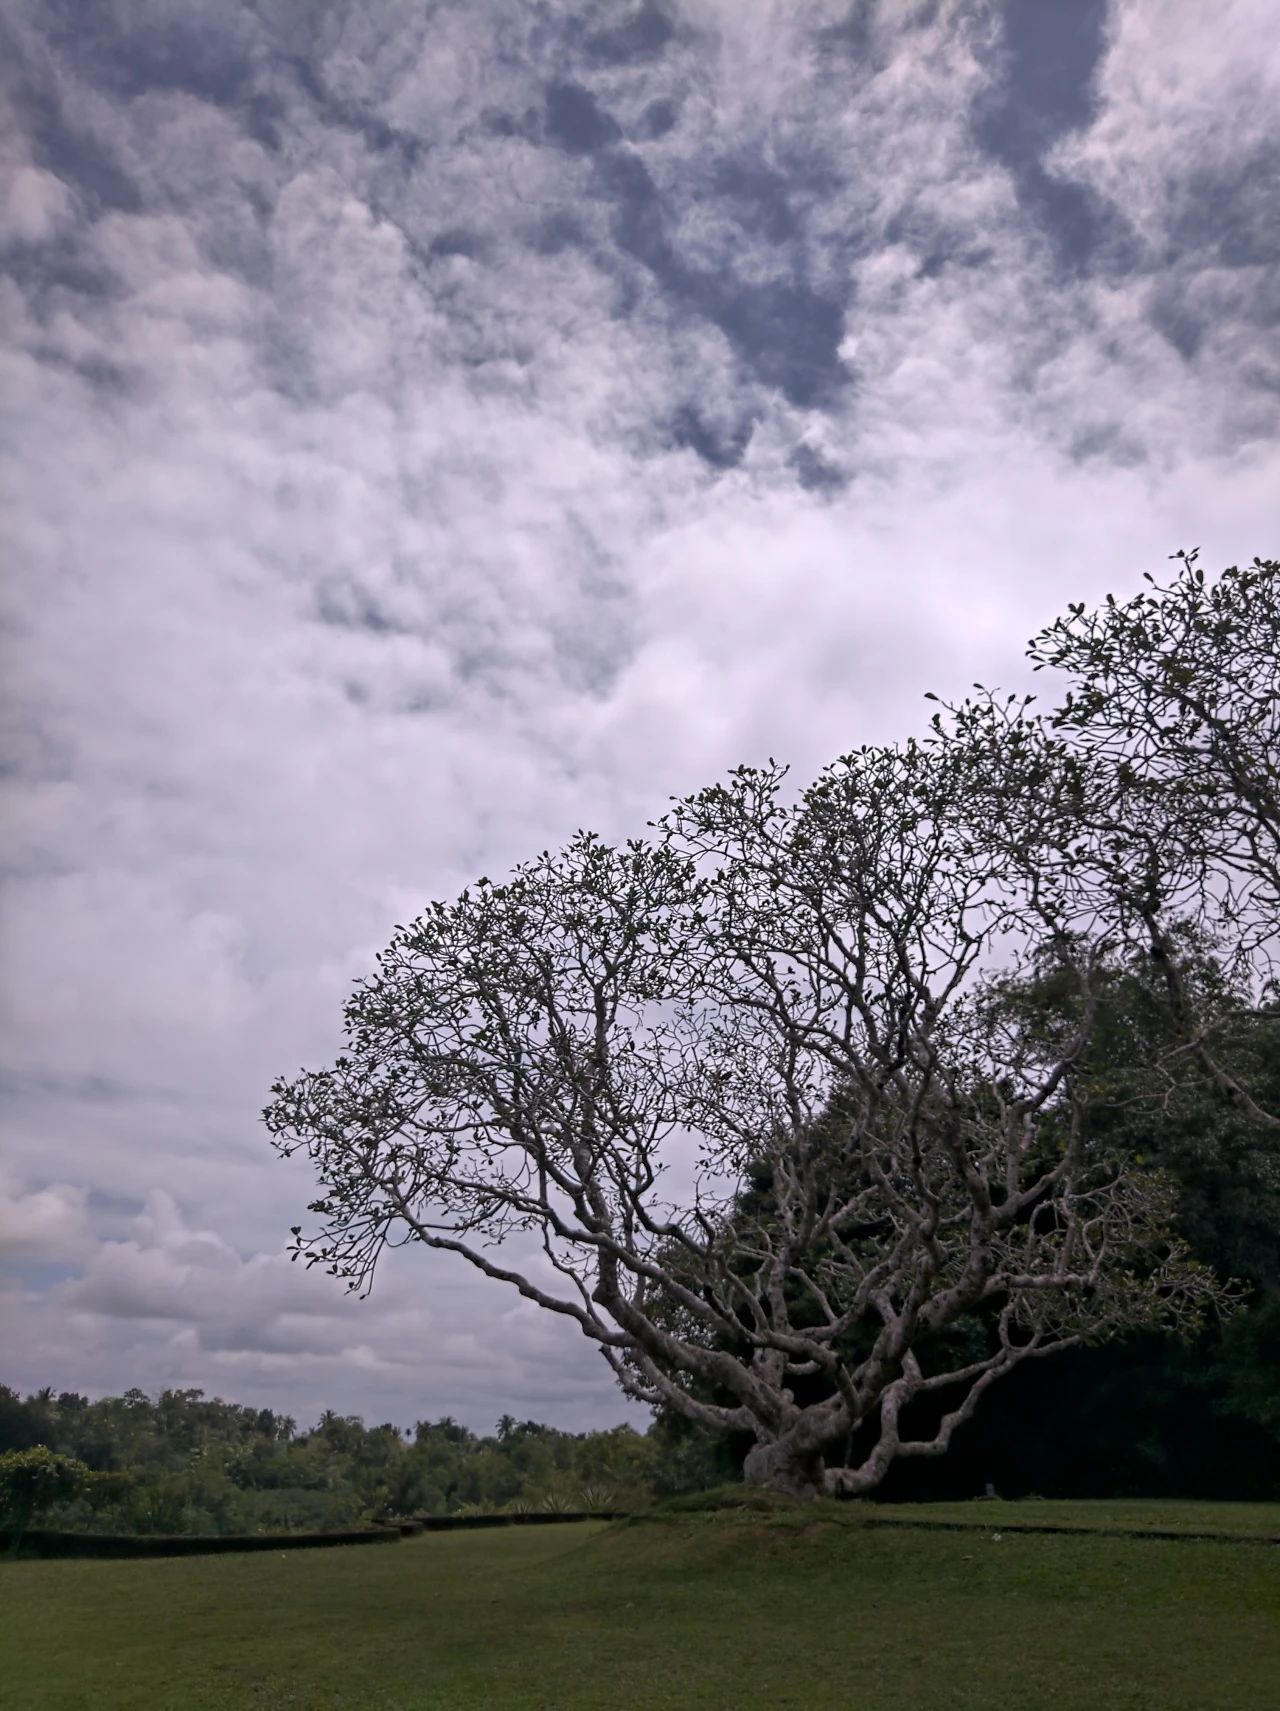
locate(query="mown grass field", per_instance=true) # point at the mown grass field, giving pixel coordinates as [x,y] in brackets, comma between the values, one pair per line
[1190,1519]
[731,1610]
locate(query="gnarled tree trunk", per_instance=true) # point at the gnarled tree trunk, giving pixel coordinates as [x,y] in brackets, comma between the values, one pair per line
[784,1467]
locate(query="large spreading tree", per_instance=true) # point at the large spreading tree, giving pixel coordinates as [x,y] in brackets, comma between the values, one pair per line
[742,1099]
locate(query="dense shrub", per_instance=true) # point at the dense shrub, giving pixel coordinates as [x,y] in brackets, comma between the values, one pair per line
[45,1543]
[33,1481]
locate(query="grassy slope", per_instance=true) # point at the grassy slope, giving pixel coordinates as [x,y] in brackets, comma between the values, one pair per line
[725,1611]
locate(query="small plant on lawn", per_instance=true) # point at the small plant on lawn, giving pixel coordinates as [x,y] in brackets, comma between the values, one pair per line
[597,1498]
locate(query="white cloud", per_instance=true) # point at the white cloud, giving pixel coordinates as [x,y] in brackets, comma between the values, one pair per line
[33,205]
[42,1224]
[1184,98]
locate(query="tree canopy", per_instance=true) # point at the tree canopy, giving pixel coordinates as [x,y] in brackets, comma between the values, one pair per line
[35,1480]
[568,1079]
[1140,1415]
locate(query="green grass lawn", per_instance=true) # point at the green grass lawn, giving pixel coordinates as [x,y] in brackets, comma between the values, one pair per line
[1244,1520]
[731,1611]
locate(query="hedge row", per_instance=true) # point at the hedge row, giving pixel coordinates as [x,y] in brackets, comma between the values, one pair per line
[534,1518]
[38,1542]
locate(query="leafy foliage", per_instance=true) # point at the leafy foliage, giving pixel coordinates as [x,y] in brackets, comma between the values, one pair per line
[806,998]
[1144,1415]
[35,1480]
[184,1463]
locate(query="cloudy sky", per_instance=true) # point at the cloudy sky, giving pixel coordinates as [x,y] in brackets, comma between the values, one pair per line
[431,427]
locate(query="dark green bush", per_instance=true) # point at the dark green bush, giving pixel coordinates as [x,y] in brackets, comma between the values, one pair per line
[32,1481]
[38,1542]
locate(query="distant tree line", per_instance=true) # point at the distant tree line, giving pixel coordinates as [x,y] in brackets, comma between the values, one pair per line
[182,1462]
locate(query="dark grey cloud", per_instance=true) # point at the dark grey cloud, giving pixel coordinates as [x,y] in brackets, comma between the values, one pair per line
[641,33]
[719,444]
[575,121]
[349,606]
[1051,55]
[815,473]
[62,142]
[657,120]
[360,118]
[200,48]
[785,333]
